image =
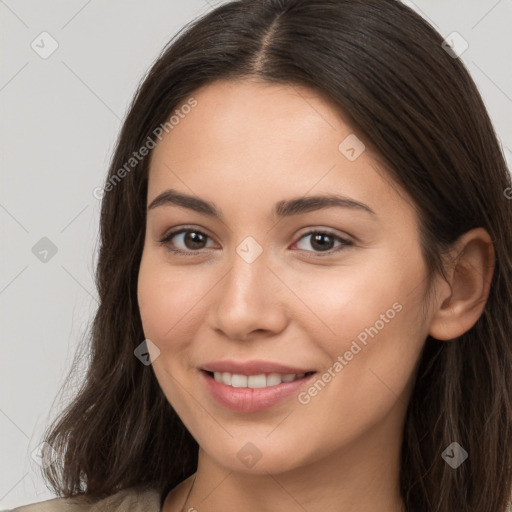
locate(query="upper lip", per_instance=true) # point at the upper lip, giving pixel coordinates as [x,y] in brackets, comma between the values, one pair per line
[253,367]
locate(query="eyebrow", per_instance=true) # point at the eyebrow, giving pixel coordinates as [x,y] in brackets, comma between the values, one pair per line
[282,209]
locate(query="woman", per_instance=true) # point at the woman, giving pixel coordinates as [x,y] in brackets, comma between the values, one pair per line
[304,278]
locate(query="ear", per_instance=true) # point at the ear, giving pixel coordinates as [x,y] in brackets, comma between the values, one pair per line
[461,301]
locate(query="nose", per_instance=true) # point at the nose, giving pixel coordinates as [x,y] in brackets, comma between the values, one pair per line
[249,301]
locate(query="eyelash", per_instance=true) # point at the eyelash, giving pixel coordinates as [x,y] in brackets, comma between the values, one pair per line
[167,238]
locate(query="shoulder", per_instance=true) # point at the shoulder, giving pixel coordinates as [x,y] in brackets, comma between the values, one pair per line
[128,500]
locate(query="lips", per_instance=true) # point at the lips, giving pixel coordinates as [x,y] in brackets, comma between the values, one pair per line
[253,386]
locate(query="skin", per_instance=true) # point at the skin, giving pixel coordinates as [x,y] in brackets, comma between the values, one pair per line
[244,147]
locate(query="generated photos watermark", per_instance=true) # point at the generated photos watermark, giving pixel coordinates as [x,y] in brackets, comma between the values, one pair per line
[305,397]
[144,150]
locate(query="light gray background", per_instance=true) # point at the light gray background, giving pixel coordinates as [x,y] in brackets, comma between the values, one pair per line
[60,119]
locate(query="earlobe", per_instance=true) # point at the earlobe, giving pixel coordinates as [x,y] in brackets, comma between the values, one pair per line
[463,298]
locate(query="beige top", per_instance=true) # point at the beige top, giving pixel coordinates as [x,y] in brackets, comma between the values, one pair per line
[127,500]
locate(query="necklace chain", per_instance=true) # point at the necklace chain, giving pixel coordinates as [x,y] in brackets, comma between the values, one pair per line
[188,495]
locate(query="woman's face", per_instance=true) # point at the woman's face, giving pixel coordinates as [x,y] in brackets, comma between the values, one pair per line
[278,283]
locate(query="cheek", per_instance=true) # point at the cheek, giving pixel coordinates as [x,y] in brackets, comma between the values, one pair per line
[166,301]
[167,298]
[342,302]
[372,319]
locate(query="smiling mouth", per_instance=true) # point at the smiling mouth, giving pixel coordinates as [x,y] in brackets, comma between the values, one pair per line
[263,380]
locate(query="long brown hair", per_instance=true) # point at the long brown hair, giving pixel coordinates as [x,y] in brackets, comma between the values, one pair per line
[418,109]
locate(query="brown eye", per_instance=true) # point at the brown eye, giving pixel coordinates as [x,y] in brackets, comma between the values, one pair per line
[190,240]
[323,241]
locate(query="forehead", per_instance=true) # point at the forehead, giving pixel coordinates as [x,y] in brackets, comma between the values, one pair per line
[271,111]
[261,140]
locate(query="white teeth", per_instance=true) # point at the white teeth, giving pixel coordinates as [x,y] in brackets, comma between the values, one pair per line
[239,381]
[273,379]
[255,381]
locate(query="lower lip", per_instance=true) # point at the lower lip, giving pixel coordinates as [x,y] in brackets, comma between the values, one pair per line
[252,399]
